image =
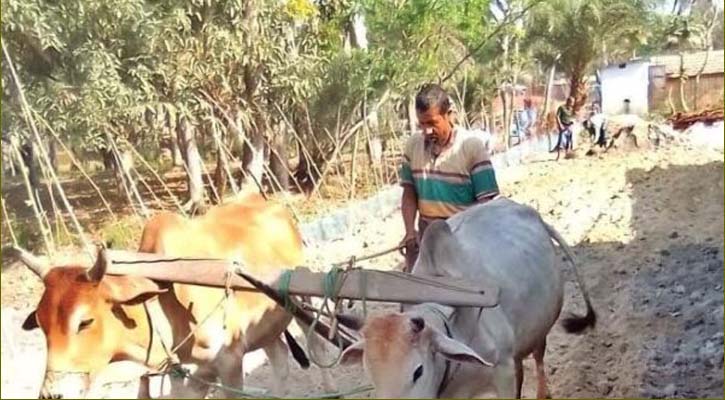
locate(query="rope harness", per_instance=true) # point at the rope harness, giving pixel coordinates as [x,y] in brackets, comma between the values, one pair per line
[332,283]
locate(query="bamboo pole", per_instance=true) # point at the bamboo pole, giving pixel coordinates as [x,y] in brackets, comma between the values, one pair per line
[26,109]
[127,179]
[286,167]
[219,143]
[306,151]
[158,177]
[7,221]
[344,139]
[285,195]
[57,215]
[76,163]
[156,198]
[47,241]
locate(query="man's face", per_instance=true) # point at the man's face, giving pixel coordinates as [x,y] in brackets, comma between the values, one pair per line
[569,102]
[436,126]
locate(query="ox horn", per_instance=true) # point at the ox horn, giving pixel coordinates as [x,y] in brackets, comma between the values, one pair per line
[98,270]
[35,264]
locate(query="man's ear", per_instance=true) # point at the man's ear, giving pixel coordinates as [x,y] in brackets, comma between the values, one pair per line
[353,354]
[457,351]
[131,289]
[31,322]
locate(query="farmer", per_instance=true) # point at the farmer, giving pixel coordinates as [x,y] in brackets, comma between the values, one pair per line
[445,168]
[596,124]
[528,118]
[564,120]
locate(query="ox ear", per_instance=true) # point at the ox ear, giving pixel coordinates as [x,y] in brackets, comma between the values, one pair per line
[353,354]
[128,289]
[457,351]
[31,322]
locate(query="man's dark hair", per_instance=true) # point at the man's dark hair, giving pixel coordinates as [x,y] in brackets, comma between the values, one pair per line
[432,95]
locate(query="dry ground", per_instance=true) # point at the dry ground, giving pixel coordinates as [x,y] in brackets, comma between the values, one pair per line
[647,228]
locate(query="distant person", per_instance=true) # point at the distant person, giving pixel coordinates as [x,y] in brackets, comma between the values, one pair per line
[564,121]
[596,124]
[445,168]
[528,119]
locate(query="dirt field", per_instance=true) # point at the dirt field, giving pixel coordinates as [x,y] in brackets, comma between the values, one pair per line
[647,229]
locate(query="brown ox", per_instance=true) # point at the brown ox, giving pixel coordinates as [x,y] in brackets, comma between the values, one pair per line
[91,320]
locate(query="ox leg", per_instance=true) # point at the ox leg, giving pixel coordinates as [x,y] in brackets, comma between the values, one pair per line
[319,347]
[504,379]
[542,389]
[278,358]
[519,365]
[230,369]
[194,388]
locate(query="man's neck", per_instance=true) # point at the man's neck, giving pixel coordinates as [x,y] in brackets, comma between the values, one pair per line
[437,149]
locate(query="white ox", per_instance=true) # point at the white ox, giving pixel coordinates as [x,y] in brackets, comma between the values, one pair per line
[431,350]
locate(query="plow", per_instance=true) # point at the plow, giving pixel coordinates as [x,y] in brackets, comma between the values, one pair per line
[351,283]
[344,281]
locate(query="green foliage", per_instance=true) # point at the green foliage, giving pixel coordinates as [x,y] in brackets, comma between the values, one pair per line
[123,234]
[129,67]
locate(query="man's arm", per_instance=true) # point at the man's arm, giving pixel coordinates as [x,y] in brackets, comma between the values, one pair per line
[409,209]
[409,200]
[482,174]
[558,118]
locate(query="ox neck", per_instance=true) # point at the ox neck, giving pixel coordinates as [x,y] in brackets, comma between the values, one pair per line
[146,344]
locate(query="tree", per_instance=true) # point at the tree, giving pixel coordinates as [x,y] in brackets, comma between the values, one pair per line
[582,32]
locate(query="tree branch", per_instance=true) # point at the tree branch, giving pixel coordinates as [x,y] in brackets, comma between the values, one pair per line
[506,22]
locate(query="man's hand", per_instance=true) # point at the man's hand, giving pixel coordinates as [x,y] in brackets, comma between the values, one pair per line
[409,237]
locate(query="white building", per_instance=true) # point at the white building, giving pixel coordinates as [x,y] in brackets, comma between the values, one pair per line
[625,88]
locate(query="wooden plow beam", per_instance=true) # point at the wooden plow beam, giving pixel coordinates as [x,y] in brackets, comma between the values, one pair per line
[357,284]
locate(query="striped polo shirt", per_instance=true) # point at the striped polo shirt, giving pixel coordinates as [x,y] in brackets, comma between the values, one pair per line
[454,180]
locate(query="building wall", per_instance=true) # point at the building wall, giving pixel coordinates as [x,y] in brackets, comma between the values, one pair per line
[628,81]
[708,93]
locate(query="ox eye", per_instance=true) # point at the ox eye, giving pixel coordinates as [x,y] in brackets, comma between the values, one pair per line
[85,324]
[418,373]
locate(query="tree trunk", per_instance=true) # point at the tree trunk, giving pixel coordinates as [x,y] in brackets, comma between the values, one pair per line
[187,143]
[176,158]
[28,152]
[506,136]
[220,181]
[109,160]
[306,172]
[544,117]
[547,94]
[253,157]
[578,89]
[53,153]
[683,79]
[278,160]
[412,116]
[375,144]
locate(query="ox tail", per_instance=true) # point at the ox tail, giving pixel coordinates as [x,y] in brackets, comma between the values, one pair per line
[297,352]
[574,323]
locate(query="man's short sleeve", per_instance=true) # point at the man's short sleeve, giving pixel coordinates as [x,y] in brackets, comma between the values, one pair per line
[481,170]
[406,171]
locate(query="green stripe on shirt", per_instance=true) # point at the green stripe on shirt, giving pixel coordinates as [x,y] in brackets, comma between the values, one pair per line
[484,181]
[406,174]
[444,192]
